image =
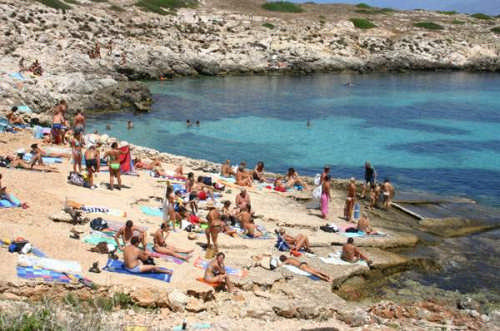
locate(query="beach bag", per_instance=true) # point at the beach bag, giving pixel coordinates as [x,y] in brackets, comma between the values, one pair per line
[316,193]
[4,162]
[282,245]
[274,263]
[98,224]
[76,179]
[317,179]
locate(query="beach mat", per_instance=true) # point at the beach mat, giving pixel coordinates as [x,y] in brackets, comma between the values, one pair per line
[298,271]
[151,211]
[203,264]
[42,274]
[165,257]
[117,266]
[334,258]
[103,210]
[213,284]
[50,264]
[7,204]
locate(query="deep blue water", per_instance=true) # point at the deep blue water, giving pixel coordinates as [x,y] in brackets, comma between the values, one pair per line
[434,132]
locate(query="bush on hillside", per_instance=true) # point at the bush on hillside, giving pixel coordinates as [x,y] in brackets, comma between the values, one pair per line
[362,23]
[374,11]
[458,22]
[268,25]
[164,7]
[429,25]
[363,5]
[57,4]
[447,12]
[496,30]
[283,6]
[481,16]
[116,8]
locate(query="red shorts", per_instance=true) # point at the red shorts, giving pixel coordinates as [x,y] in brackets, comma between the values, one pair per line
[202,195]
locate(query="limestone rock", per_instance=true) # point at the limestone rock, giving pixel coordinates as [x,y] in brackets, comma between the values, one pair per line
[143,297]
[195,306]
[178,300]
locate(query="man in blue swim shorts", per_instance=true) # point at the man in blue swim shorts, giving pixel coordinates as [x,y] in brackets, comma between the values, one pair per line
[133,259]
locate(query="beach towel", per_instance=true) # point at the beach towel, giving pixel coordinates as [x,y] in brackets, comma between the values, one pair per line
[17,75]
[165,257]
[49,264]
[95,239]
[213,284]
[353,234]
[103,210]
[46,159]
[24,109]
[335,258]
[4,203]
[298,271]
[151,211]
[42,274]
[193,326]
[203,264]
[126,163]
[117,266]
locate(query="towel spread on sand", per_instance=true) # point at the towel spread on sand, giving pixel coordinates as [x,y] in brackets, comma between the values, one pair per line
[46,159]
[165,257]
[151,211]
[334,258]
[49,264]
[4,203]
[117,266]
[203,264]
[103,210]
[298,271]
[43,274]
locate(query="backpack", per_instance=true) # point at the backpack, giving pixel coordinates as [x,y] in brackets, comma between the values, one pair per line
[4,162]
[76,179]
[207,181]
[98,224]
[282,245]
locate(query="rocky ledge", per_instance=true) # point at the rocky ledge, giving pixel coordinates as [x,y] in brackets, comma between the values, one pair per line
[212,40]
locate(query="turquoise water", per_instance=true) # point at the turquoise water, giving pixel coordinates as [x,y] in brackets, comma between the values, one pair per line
[429,131]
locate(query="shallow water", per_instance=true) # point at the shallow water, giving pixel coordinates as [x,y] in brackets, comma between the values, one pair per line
[432,131]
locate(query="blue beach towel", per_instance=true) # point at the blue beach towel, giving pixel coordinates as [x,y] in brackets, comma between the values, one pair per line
[43,274]
[17,75]
[117,266]
[7,204]
[353,234]
[24,109]
[46,159]
[152,211]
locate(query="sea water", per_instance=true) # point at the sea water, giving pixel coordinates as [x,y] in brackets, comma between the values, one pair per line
[435,132]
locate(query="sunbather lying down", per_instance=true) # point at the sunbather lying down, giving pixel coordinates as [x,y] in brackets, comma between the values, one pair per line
[160,244]
[18,163]
[305,267]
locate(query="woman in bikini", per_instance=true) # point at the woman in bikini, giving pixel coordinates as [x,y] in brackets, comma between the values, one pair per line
[76,146]
[114,165]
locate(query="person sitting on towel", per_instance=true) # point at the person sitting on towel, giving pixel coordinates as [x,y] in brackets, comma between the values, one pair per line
[133,259]
[243,178]
[296,243]
[4,195]
[127,232]
[216,272]
[13,118]
[305,267]
[160,245]
[247,223]
[292,178]
[202,190]
[258,172]
[351,253]
[364,225]
[242,200]
[226,170]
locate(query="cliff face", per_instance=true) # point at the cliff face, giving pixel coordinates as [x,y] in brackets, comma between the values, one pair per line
[214,40]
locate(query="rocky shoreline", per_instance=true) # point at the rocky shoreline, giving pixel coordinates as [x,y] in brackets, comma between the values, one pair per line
[211,40]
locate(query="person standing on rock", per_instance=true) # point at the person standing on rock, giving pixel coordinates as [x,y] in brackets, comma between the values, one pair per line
[76,148]
[325,197]
[350,200]
[216,272]
[370,178]
[388,192]
[114,165]
[79,123]
[92,163]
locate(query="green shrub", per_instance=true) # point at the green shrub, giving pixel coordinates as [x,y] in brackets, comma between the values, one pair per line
[481,16]
[283,6]
[116,8]
[457,22]
[363,5]
[73,2]
[57,4]
[268,25]
[362,23]
[123,300]
[447,12]
[496,30]
[164,7]
[42,319]
[103,303]
[429,26]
